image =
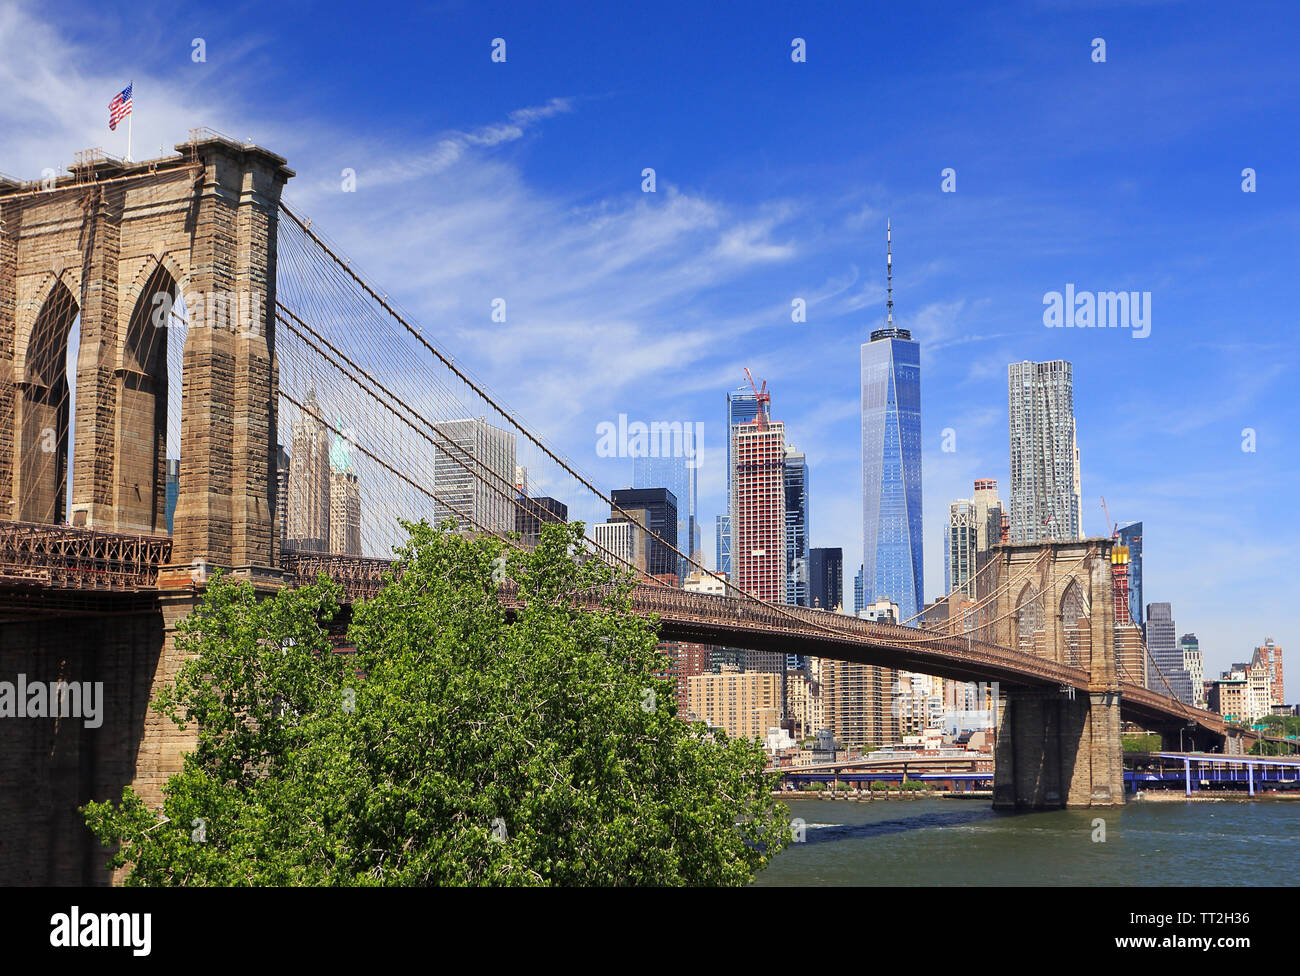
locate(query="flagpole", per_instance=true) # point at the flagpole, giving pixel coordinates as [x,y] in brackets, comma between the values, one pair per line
[130,122]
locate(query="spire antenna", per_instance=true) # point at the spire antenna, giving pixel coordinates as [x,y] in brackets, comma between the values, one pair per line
[889,274]
[890,330]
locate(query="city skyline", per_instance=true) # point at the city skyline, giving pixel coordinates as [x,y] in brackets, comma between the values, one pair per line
[984,256]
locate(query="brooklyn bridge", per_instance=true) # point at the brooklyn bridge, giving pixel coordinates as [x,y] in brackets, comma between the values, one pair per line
[180,310]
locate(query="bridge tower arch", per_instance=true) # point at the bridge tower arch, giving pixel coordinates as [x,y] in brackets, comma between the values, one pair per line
[1059,747]
[103,243]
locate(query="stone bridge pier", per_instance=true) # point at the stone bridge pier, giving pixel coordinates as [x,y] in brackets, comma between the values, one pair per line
[1058,747]
[103,252]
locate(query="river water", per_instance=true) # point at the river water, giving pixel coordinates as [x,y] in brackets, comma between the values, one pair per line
[935,841]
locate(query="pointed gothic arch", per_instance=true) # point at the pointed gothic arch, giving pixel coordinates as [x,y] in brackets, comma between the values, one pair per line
[1029,617]
[44,410]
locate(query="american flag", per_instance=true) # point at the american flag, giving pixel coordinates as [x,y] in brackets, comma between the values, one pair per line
[119,106]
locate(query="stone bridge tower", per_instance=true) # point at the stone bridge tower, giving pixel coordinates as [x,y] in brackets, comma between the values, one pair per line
[120,253]
[1059,747]
[112,249]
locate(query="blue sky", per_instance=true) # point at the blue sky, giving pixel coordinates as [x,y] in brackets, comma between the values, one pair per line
[774,180]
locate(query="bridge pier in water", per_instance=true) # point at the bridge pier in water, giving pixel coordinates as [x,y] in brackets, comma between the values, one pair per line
[1057,750]
[1059,747]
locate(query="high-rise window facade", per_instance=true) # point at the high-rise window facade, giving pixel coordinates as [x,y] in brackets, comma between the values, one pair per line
[758,509]
[826,578]
[679,477]
[891,470]
[1131,536]
[1165,671]
[655,511]
[796,527]
[1045,497]
[722,541]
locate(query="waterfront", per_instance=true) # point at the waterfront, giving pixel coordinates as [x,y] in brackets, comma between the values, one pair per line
[965,842]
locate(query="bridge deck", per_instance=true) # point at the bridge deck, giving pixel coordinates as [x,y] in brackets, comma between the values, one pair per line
[38,562]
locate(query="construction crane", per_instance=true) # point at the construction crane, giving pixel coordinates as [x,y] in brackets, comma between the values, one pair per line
[763,398]
[1114,529]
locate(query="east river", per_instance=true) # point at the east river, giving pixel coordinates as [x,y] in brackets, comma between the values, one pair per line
[964,842]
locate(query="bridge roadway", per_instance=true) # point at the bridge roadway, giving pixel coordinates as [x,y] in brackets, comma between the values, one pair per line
[45,568]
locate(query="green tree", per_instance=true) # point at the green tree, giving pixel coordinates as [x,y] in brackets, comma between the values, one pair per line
[465,743]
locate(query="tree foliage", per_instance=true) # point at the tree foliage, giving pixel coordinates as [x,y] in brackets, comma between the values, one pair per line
[464,743]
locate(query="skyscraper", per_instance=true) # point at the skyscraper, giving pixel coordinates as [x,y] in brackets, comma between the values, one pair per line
[345,498]
[1045,494]
[1165,672]
[891,462]
[722,533]
[674,474]
[173,488]
[960,547]
[974,525]
[859,598]
[474,475]
[309,481]
[758,509]
[532,513]
[1194,666]
[742,407]
[796,527]
[655,511]
[826,578]
[1131,536]
[281,493]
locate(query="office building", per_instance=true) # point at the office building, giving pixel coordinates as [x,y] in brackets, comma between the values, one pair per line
[1165,672]
[1130,535]
[345,498]
[474,475]
[722,543]
[743,703]
[1227,696]
[796,527]
[891,462]
[173,488]
[309,481]
[1045,492]
[532,513]
[1270,655]
[617,544]
[654,510]
[826,578]
[859,595]
[680,477]
[1194,666]
[758,509]
[742,408]
[281,493]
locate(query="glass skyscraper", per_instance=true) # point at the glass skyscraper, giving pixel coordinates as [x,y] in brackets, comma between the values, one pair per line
[722,539]
[678,477]
[742,407]
[1131,536]
[796,527]
[891,465]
